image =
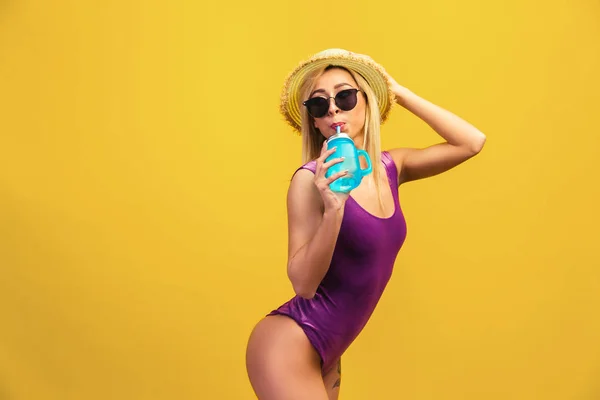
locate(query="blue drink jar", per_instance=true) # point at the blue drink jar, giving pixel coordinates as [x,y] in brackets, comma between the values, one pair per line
[345,148]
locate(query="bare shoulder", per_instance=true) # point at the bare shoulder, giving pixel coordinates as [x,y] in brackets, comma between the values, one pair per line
[302,188]
[398,155]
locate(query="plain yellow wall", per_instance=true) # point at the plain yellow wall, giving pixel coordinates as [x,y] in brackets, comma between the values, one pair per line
[143,173]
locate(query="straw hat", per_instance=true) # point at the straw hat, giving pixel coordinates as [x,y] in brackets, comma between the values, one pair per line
[373,73]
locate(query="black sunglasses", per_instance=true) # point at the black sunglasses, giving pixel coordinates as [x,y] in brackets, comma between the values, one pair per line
[345,100]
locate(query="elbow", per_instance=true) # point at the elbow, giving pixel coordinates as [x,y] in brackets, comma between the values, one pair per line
[300,286]
[477,144]
[303,290]
[307,294]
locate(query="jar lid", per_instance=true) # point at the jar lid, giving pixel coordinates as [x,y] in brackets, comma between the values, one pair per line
[340,135]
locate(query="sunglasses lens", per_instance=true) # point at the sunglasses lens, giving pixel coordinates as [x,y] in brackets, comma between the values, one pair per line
[317,107]
[346,99]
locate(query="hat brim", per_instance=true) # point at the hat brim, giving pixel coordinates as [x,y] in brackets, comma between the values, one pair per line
[372,72]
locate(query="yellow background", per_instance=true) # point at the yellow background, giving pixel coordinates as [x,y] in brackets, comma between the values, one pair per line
[143,173]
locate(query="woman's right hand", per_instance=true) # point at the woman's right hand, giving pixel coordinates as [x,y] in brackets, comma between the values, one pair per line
[332,201]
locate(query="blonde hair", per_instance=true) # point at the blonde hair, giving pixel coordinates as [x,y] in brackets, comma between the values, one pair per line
[312,139]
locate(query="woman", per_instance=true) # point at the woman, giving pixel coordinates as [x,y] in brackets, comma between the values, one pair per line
[342,247]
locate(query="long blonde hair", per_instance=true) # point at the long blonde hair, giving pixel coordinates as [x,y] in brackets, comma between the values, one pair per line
[312,139]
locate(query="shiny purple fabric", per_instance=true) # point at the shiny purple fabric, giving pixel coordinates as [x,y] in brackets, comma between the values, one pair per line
[360,269]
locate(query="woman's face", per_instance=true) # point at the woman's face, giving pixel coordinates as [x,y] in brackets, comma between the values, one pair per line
[351,122]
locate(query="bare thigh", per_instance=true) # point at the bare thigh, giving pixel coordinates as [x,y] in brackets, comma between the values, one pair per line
[333,380]
[281,363]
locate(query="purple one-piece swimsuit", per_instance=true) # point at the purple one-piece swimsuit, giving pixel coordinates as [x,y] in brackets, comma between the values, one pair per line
[360,268]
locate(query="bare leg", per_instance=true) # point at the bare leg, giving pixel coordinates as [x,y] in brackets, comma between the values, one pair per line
[332,380]
[281,362]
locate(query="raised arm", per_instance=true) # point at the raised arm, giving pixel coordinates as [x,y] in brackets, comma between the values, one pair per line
[462,140]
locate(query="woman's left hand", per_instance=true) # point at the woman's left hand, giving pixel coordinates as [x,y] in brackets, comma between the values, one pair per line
[399,91]
[393,84]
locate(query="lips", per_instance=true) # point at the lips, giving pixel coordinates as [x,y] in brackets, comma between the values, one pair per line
[335,125]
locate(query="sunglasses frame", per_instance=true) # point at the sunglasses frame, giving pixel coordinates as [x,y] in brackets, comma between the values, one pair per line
[328,99]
